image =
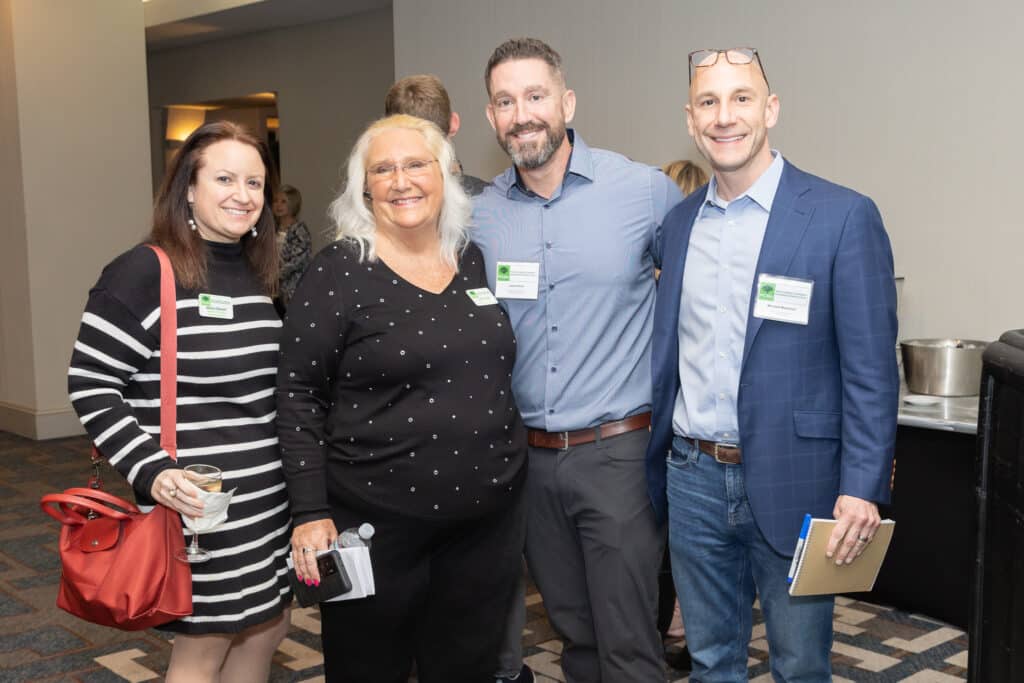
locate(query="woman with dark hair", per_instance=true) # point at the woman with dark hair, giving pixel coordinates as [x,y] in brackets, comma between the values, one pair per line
[293,237]
[212,217]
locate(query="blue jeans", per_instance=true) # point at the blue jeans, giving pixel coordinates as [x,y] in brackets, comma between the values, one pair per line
[720,561]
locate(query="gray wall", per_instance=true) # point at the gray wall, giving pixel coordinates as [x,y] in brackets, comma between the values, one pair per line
[330,79]
[909,102]
[74,168]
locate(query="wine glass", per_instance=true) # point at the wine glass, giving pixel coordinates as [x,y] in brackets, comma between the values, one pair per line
[208,478]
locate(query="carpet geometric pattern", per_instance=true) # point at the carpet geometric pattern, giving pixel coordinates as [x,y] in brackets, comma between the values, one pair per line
[39,642]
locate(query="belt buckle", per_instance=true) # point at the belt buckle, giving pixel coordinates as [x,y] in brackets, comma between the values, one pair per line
[718,459]
[565,441]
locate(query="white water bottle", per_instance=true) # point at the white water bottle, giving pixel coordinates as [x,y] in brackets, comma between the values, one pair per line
[358,537]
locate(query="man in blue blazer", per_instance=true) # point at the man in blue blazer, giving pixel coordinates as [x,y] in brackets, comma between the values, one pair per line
[775,380]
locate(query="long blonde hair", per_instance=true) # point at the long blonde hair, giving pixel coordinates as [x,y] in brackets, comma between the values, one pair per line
[686,174]
[351,213]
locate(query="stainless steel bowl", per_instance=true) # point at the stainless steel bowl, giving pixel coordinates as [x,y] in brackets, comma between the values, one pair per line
[943,367]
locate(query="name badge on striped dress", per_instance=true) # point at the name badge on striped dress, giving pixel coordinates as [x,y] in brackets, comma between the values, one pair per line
[216,306]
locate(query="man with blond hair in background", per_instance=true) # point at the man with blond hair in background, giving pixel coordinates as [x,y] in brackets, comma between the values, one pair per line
[424,96]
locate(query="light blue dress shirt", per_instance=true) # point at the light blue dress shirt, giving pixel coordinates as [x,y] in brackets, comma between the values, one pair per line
[584,345]
[724,248]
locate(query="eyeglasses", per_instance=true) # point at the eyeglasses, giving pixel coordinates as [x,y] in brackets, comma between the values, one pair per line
[414,168]
[733,55]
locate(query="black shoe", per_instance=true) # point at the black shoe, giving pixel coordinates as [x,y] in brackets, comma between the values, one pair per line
[679,659]
[525,676]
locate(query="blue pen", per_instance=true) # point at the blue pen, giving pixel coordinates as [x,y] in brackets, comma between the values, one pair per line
[799,547]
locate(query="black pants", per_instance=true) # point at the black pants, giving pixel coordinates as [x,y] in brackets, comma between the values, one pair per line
[443,590]
[593,549]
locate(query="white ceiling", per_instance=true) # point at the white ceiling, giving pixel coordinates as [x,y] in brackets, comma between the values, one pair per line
[177,23]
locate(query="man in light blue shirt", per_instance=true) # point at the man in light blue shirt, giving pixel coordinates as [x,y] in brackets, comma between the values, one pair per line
[774,380]
[569,234]
[724,246]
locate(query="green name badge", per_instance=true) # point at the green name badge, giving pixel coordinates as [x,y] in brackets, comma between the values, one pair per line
[216,306]
[481,296]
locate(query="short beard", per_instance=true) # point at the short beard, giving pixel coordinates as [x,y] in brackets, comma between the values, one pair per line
[535,155]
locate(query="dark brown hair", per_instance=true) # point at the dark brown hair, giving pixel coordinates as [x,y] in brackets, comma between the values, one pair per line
[524,48]
[184,246]
[422,96]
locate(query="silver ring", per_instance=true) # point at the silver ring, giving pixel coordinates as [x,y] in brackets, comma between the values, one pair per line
[863,539]
[172,493]
[307,550]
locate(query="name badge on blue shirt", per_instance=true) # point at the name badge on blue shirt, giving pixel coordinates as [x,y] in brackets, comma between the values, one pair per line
[516,279]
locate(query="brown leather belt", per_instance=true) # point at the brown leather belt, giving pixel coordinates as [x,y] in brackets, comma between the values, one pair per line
[564,440]
[723,453]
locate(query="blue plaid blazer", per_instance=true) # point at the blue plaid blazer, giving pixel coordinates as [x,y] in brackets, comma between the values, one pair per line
[817,403]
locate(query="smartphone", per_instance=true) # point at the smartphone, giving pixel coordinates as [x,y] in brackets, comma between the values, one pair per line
[334,581]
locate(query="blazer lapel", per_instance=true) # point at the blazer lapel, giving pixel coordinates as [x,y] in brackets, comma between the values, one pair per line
[670,286]
[787,223]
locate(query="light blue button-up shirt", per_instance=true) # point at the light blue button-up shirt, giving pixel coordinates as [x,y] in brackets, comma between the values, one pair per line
[719,272]
[584,345]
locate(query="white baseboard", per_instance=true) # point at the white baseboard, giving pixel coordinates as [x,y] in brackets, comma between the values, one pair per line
[39,424]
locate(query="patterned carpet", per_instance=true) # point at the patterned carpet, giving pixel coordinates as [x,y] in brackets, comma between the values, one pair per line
[38,642]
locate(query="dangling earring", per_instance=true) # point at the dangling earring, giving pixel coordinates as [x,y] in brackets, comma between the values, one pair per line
[191,220]
[253,231]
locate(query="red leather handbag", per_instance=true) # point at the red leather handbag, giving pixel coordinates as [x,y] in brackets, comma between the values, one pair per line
[118,565]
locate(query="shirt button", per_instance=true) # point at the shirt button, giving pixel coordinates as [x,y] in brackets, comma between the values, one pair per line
[554,328]
[721,309]
[721,354]
[551,286]
[554,369]
[551,411]
[721,397]
[547,244]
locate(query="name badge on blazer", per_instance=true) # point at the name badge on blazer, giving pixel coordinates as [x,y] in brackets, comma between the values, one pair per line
[784,299]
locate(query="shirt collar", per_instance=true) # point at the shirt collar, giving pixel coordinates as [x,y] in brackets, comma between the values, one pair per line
[581,163]
[762,192]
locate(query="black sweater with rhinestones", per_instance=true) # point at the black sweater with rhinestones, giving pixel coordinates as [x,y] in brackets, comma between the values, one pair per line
[397,396]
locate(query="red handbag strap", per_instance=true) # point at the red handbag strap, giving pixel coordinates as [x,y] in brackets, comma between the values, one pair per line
[68,509]
[103,497]
[168,356]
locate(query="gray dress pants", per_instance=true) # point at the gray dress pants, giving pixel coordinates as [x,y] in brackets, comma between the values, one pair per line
[594,550]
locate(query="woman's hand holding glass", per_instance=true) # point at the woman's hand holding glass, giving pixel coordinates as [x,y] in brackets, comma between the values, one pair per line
[209,479]
[174,489]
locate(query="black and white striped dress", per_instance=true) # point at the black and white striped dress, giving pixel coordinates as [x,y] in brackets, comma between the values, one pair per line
[226,411]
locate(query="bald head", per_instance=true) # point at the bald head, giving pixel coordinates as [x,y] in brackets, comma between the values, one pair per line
[728,115]
[751,75]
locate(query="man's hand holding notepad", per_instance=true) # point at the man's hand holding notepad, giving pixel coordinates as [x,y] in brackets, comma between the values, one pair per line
[814,573]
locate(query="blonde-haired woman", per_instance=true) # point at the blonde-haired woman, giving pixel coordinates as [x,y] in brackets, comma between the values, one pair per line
[686,174]
[395,408]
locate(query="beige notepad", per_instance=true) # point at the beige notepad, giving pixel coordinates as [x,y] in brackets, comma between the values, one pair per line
[818,575]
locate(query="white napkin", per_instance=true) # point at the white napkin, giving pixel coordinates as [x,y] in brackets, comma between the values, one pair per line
[360,572]
[215,511]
